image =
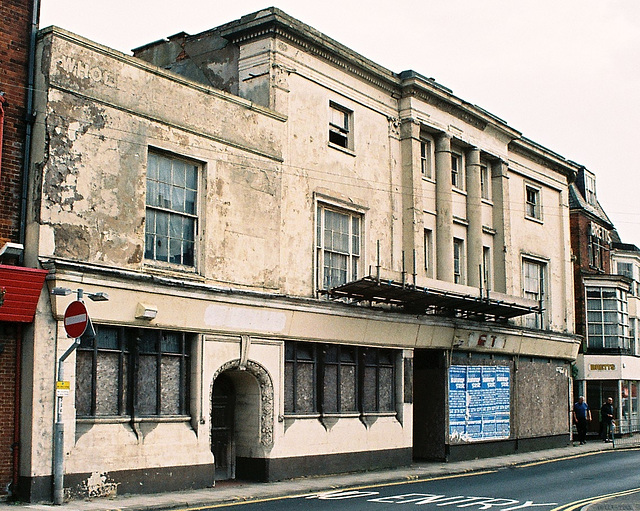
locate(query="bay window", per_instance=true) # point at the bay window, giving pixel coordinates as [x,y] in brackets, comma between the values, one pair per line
[607,318]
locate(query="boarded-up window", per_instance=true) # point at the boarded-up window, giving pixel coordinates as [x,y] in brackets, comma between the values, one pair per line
[159,379]
[84,362]
[327,378]
[101,374]
[378,388]
[300,368]
[339,388]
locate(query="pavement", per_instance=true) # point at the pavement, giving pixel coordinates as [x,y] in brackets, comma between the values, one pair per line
[240,491]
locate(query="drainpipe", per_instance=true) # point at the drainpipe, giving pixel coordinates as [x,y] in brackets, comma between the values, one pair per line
[29,120]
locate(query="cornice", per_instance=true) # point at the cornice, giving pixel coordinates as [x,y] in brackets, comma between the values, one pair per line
[445,105]
[277,24]
[543,156]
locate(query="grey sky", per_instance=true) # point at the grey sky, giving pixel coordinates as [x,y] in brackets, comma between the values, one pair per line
[566,73]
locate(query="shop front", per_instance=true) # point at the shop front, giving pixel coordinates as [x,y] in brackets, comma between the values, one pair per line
[600,377]
[19,293]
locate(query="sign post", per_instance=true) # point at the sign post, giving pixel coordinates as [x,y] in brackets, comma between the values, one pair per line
[76,319]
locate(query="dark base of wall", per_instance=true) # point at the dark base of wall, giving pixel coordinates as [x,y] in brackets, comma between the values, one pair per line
[34,489]
[149,480]
[261,469]
[461,452]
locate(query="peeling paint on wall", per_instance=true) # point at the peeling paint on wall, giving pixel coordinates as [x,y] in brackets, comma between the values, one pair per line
[97,485]
[64,129]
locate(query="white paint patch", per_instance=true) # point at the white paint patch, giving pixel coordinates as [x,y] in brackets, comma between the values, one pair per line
[73,129]
[244,318]
[97,485]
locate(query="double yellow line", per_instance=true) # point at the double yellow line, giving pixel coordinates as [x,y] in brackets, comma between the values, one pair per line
[578,504]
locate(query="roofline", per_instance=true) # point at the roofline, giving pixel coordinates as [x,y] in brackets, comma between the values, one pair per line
[559,163]
[273,21]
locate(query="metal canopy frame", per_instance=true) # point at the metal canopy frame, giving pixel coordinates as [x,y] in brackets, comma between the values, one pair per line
[422,300]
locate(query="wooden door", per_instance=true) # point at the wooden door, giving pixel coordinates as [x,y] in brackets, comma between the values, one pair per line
[222,427]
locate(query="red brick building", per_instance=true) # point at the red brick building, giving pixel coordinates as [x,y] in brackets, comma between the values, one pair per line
[19,287]
[605,308]
[591,239]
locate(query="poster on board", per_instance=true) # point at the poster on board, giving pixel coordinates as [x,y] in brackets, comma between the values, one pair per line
[479,403]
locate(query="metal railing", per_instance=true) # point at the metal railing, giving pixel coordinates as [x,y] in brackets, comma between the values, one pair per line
[627,432]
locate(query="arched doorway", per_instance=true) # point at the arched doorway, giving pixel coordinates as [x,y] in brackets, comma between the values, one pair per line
[223,405]
[242,416]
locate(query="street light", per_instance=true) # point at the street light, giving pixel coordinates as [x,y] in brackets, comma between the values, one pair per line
[100,296]
[61,291]
[62,387]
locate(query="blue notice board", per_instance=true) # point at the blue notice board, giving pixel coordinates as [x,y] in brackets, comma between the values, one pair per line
[479,403]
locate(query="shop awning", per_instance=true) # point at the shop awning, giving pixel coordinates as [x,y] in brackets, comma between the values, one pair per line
[19,292]
[423,300]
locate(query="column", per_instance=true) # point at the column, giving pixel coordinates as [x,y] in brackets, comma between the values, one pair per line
[474,217]
[412,221]
[502,263]
[444,213]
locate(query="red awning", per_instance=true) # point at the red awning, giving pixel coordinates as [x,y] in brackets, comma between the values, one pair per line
[21,288]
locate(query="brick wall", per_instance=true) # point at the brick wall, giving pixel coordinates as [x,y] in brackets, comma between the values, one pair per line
[7,408]
[15,18]
[579,224]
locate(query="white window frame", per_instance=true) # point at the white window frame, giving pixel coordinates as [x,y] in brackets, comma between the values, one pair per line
[534,287]
[485,181]
[620,269]
[620,335]
[457,173]
[458,261]
[533,209]
[175,202]
[597,250]
[428,252]
[426,157]
[487,265]
[327,254]
[340,126]
[631,274]
[590,189]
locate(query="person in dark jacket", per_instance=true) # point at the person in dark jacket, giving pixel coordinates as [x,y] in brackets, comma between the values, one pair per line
[606,419]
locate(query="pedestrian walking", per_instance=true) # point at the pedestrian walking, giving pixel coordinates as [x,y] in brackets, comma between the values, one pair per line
[581,418]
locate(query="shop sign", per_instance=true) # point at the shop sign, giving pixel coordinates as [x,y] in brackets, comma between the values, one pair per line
[597,231]
[602,367]
[484,340]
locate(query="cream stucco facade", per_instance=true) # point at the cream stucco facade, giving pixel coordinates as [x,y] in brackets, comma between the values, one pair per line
[312,168]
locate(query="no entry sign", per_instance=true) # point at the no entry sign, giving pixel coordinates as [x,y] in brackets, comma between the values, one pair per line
[76,319]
